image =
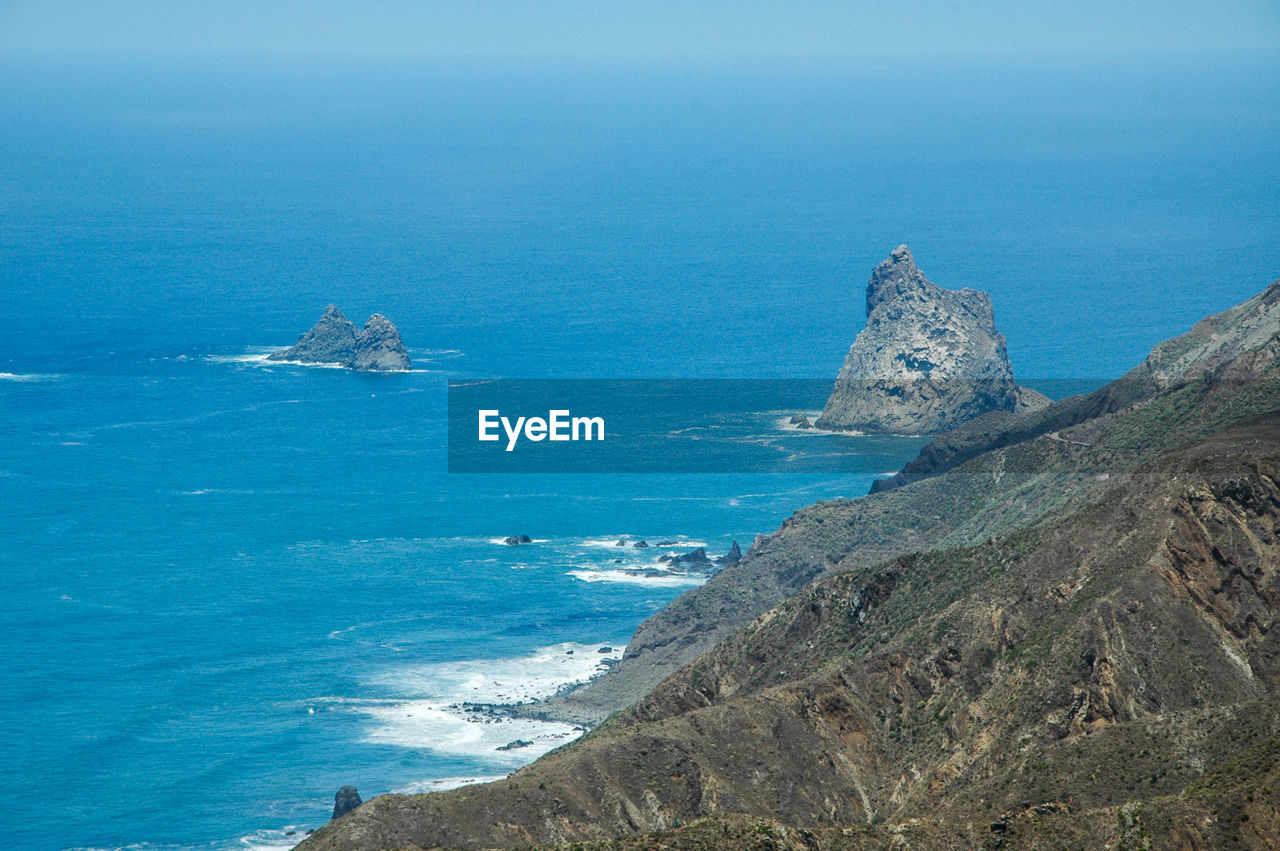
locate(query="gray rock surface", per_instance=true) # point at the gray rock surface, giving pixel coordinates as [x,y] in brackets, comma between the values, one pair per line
[928,360]
[732,557]
[331,340]
[334,340]
[346,800]
[379,347]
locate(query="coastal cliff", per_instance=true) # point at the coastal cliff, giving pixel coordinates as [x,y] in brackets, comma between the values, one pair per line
[376,347]
[1111,672]
[928,359]
[996,473]
[1068,635]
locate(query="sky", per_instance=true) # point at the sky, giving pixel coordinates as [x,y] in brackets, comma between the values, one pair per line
[636,28]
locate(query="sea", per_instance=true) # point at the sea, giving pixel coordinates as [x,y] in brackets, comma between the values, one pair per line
[230,586]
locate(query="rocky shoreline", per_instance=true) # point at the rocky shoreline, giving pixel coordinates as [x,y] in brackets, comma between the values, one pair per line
[1067,636]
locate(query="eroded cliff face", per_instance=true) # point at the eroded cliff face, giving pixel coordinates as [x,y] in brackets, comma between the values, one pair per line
[1084,677]
[928,360]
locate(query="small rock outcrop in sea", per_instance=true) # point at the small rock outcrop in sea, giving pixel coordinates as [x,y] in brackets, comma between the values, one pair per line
[346,800]
[928,360]
[376,347]
[517,540]
[692,560]
[516,745]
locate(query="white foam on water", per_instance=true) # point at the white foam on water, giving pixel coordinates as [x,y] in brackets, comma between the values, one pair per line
[785,424]
[251,354]
[611,542]
[29,377]
[434,718]
[443,729]
[522,678]
[262,840]
[316,365]
[257,356]
[444,784]
[628,577]
[271,840]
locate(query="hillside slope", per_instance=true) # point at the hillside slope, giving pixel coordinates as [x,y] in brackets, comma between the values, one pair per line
[1070,635]
[996,474]
[1096,664]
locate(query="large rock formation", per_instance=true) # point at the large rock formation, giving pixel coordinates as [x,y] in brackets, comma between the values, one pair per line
[334,340]
[379,347]
[331,340]
[928,360]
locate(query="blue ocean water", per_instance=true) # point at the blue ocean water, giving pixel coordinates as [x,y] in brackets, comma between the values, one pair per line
[228,588]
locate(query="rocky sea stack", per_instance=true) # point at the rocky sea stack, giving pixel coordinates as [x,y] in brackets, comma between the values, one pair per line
[928,360]
[346,800]
[376,347]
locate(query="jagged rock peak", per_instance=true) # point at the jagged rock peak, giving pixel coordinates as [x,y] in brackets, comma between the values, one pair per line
[898,274]
[335,340]
[928,359]
[379,347]
[732,557]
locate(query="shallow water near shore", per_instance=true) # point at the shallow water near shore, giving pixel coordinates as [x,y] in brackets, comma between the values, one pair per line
[230,587]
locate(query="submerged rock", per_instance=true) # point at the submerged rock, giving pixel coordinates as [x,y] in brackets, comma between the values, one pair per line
[346,800]
[334,340]
[928,360]
[516,745]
